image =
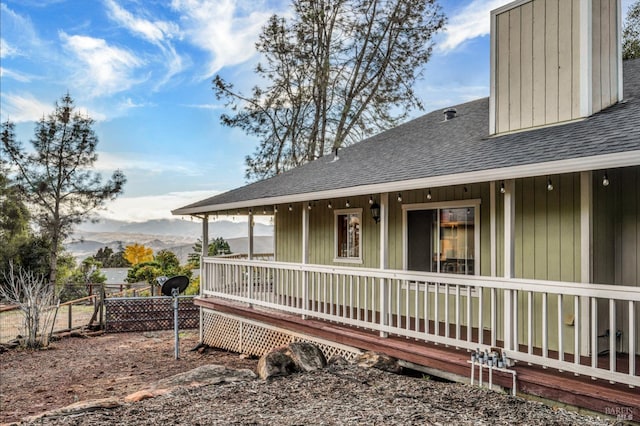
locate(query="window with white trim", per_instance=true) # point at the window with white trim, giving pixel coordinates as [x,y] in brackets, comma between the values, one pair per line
[348,236]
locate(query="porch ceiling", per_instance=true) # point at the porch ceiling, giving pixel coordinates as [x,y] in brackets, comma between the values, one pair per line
[430,152]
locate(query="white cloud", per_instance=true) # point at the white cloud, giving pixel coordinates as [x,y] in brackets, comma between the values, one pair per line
[108,161]
[157,32]
[445,96]
[205,106]
[148,207]
[226,29]
[25,107]
[470,22]
[17,32]
[153,31]
[15,75]
[103,69]
[7,50]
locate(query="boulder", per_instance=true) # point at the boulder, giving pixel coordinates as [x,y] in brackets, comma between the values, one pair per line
[77,408]
[306,356]
[337,360]
[210,374]
[380,361]
[275,363]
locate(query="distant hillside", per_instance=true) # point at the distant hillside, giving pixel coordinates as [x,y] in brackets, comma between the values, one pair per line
[178,236]
[177,227]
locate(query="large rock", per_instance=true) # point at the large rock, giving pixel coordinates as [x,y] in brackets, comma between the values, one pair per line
[276,363]
[77,408]
[306,356]
[210,374]
[380,361]
[204,375]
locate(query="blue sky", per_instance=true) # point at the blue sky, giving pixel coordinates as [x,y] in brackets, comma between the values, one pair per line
[143,69]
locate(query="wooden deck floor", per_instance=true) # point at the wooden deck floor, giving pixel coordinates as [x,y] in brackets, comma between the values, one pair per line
[579,391]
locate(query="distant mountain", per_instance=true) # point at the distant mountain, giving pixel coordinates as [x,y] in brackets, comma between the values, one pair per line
[178,236]
[223,228]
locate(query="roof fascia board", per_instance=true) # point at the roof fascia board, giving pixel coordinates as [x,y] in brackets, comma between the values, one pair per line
[606,161]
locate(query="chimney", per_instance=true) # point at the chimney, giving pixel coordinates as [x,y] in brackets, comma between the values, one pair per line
[553,61]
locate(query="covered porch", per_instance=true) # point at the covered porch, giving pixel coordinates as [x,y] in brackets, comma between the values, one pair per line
[433,322]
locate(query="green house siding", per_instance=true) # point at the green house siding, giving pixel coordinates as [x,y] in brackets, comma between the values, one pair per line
[288,234]
[547,228]
[547,247]
[547,240]
[616,240]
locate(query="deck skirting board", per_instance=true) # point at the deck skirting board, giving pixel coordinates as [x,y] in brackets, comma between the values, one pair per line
[237,334]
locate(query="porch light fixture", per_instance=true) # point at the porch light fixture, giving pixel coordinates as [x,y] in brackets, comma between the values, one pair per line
[347,204]
[290,207]
[605,179]
[250,212]
[370,200]
[309,206]
[502,189]
[375,211]
[264,210]
[399,197]
[429,195]
[549,185]
[330,205]
[275,209]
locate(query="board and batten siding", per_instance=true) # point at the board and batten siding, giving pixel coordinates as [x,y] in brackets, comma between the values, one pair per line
[539,59]
[547,247]
[616,239]
[605,53]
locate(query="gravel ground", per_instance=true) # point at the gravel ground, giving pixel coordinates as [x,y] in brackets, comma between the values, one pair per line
[337,395]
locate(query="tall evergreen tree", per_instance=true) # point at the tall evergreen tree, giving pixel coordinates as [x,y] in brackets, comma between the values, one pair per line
[56,177]
[335,72]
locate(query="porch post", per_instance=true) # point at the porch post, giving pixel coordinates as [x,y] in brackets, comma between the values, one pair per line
[305,259]
[384,259]
[250,254]
[250,236]
[509,251]
[493,227]
[203,271]
[205,236]
[581,319]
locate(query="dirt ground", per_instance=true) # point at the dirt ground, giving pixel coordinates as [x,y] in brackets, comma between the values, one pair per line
[75,369]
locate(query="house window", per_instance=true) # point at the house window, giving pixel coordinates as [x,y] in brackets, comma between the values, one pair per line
[348,236]
[443,239]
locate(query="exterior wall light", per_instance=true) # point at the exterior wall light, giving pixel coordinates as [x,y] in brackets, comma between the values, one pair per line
[605,179]
[429,195]
[347,204]
[549,185]
[502,189]
[399,197]
[290,207]
[375,211]
[330,205]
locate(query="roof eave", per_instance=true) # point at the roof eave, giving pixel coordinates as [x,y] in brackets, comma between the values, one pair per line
[619,159]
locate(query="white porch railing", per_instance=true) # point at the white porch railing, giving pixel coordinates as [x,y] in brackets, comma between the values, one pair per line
[555,324]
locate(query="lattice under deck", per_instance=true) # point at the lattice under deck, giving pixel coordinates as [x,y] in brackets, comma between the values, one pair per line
[244,336]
